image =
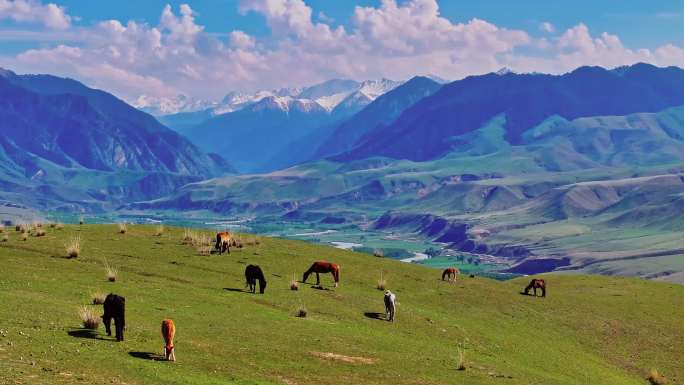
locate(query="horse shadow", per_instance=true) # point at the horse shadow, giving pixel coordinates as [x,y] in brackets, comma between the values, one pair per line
[145,356]
[374,315]
[85,333]
[234,289]
[319,287]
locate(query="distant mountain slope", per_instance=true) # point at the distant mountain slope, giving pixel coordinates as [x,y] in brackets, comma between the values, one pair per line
[251,137]
[382,110]
[426,130]
[69,124]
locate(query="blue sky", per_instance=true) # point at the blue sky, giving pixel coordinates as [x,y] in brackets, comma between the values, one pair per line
[210,47]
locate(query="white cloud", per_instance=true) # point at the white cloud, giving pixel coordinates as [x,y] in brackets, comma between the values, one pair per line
[50,15]
[395,40]
[547,27]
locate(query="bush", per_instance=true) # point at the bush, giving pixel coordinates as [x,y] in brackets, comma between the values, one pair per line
[73,247]
[655,378]
[123,228]
[99,298]
[301,311]
[89,318]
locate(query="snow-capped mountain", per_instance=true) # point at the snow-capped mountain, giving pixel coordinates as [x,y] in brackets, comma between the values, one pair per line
[350,94]
[159,106]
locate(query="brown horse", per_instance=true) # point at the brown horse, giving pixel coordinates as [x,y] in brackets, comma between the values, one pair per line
[323,267]
[223,242]
[536,283]
[450,273]
[168,330]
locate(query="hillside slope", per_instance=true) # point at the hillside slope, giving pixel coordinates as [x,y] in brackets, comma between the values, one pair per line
[595,330]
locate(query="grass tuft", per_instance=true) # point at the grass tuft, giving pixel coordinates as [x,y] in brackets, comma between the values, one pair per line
[59,226]
[301,311]
[2,228]
[99,298]
[81,220]
[5,238]
[73,247]
[382,283]
[89,318]
[159,231]
[655,378]
[111,272]
[24,236]
[123,228]
[461,362]
[39,232]
[53,225]
[294,285]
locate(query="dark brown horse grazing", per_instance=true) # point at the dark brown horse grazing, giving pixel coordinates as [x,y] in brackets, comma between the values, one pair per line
[450,273]
[536,283]
[115,307]
[223,242]
[252,274]
[323,267]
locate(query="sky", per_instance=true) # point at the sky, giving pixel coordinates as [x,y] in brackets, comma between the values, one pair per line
[207,48]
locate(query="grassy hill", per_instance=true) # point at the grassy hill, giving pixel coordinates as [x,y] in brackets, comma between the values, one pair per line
[589,330]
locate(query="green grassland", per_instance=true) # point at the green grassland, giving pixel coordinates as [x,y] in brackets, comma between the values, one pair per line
[588,330]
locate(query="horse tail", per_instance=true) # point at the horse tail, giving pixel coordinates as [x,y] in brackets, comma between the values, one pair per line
[336,274]
[444,273]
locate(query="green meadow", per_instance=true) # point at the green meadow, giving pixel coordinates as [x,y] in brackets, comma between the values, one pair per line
[588,330]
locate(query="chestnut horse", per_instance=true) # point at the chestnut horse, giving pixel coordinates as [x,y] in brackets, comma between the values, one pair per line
[168,330]
[323,267]
[223,242]
[536,283]
[450,273]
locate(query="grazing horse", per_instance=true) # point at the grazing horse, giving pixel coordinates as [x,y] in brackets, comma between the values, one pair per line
[168,330]
[450,274]
[323,267]
[390,305]
[536,283]
[115,307]
[223,242]
[252,273]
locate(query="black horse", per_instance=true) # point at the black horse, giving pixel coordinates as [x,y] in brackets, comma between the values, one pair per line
[252,273]
[115,307]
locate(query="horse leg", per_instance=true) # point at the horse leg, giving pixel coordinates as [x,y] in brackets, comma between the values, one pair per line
[107,320]
[318,280]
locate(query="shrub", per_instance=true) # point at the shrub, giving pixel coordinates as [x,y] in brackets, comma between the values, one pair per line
[382,283]
[123,228]
[301,311]
[160,231]
[99,298]
[294,285]
[655,378]
[110,272]
[73,247]
[40,232]
[89,318]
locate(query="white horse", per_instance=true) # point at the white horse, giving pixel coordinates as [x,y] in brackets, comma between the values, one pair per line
[390,305]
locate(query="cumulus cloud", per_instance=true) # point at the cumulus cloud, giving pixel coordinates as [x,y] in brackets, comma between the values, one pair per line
[50,15]
[394,39]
